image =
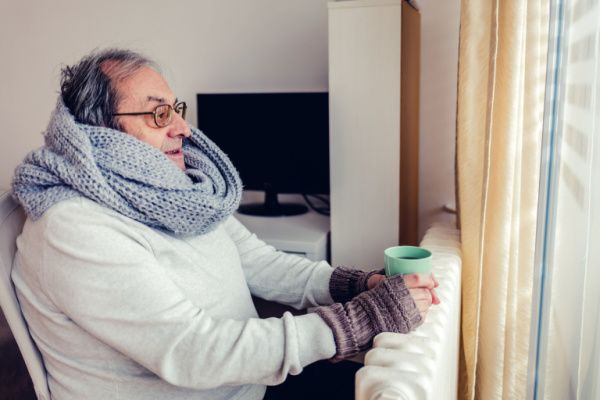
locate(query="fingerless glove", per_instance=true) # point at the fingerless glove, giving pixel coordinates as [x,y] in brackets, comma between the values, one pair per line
[345,283]
[388,307]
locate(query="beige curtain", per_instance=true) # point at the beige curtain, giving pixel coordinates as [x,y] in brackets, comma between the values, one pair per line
[502,68]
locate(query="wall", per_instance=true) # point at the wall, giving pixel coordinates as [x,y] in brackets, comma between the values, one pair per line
[206,45]
[202,45]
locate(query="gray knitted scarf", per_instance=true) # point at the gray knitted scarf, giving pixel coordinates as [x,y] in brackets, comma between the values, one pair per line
[129,176]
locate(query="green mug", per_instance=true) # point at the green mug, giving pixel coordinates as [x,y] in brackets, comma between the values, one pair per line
[407,260]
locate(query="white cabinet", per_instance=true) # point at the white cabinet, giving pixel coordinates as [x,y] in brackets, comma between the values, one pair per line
[306,235]
[373,92]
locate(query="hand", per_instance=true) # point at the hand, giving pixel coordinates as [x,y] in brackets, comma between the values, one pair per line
[356,322]
[422,289]
[416,280]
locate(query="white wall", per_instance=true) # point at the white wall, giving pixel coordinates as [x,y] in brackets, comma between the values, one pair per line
[208,45]
[202,45]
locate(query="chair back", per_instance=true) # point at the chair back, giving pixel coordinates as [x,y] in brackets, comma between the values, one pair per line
[12,218]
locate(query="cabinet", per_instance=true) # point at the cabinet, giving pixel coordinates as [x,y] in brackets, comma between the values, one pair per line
[306,235]
[374,61]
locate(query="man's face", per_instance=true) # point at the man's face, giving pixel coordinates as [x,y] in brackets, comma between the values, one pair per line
[142,92]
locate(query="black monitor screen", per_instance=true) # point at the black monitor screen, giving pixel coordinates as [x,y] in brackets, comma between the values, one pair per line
[277,141]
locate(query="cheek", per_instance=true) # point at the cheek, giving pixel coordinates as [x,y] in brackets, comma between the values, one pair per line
[154,139]
[144,134]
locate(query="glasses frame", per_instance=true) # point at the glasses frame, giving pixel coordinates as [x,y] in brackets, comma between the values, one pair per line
[179,108]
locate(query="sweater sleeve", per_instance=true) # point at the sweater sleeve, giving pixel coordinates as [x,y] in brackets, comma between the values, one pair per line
[277,276]
[102,275]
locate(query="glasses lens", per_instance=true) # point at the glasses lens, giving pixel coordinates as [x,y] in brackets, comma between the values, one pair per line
[162,115]
[181,108]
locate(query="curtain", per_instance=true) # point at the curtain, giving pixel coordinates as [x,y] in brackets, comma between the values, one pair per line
[501,82]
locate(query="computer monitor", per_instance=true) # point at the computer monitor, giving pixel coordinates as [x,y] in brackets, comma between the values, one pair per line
[279,143]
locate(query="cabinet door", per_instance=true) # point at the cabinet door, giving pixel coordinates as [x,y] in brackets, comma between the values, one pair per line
[364,95]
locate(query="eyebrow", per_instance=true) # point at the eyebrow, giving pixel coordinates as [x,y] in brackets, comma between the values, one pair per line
[160,100]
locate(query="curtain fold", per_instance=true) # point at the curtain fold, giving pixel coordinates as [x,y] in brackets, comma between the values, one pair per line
[501,82]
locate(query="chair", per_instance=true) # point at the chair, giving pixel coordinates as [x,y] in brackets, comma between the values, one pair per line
[12,218]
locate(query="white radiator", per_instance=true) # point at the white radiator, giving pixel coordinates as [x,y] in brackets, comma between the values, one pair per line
[422,365]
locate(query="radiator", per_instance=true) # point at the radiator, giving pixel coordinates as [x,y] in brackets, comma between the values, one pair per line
[421,365]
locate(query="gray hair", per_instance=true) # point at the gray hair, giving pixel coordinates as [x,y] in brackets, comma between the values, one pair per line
[89,88]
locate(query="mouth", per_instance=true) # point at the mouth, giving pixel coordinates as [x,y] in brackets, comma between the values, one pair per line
[174,152]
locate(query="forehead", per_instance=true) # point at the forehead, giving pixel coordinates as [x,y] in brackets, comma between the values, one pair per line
[144,86]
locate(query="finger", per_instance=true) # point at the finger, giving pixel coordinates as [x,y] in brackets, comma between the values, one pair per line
[435,281]
[419,280]
[435,299]
[423,306]
[422,298]
[420,293]
[426,281]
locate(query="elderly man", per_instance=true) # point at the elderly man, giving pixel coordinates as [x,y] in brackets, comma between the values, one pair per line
[135,278]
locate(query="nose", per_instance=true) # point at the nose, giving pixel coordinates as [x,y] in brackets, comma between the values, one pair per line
[179,127]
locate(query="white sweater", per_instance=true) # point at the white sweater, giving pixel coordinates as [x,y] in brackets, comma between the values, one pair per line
[123,311]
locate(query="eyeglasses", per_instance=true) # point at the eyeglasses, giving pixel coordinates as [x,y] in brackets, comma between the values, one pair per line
[163,113]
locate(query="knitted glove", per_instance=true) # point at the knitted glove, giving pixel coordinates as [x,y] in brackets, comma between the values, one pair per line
[388,307]
[345,283]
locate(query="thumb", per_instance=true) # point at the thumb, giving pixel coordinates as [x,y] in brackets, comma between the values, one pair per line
[374,280]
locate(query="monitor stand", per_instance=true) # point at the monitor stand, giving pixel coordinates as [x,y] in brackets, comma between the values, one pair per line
[272,207]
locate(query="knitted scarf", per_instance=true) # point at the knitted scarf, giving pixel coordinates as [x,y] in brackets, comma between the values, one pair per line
[129,176]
